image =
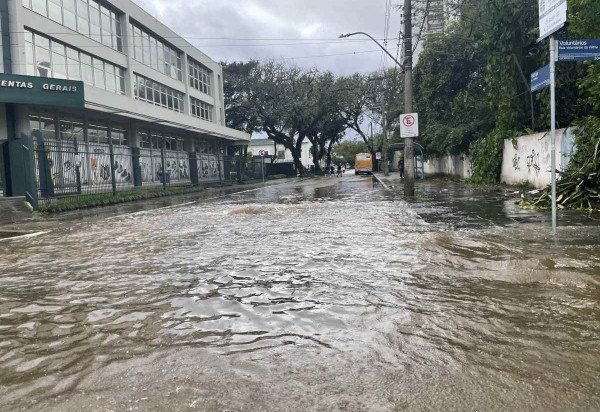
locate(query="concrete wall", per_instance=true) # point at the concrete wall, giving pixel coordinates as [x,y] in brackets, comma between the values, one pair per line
[528,159]
[459,166]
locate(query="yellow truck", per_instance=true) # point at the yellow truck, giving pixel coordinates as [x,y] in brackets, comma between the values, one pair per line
[363,163]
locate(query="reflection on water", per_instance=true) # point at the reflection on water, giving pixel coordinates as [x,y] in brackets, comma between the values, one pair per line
[453,280]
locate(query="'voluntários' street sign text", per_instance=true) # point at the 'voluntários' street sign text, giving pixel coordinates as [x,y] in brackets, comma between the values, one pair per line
[578,50]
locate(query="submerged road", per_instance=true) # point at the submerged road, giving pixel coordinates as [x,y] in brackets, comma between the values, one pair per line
[327,294]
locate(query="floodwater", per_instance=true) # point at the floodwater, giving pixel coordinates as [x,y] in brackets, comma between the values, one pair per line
[325,294]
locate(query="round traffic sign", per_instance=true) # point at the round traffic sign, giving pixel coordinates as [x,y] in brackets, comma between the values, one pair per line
[409,120]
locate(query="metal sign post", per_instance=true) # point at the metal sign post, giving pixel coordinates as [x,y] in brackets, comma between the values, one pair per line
[553,17]
[553,127]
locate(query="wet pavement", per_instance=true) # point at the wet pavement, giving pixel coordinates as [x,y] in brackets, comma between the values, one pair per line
[322,294]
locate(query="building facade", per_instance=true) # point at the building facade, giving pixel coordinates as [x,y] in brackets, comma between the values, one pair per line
[267,147]
[151,104]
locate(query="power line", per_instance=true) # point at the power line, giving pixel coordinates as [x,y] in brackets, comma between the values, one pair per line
[300,39]
[331,55]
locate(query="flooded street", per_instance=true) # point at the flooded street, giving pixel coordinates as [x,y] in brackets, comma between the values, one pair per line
[326,294]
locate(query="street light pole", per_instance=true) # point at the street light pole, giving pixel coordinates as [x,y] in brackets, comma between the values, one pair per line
[343,36]
[409,151]
[383,111]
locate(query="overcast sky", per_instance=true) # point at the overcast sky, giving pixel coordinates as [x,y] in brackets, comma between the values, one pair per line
[228,29]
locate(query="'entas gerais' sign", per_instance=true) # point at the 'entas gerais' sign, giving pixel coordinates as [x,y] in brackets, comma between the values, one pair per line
[41,91]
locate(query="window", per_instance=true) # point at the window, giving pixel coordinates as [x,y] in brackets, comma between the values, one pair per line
[69,16]
[153,52]
[49,58]
[99,73]
[98,133]
[201,109]
[118,136]
[87,17]
[55,10]
[71,130]
[157,94]
[83,17]
[200,77]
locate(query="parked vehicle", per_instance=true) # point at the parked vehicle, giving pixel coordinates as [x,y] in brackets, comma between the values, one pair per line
[363,164]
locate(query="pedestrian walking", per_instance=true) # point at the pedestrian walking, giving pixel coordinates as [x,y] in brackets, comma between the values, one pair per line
[401,167]
[339,170]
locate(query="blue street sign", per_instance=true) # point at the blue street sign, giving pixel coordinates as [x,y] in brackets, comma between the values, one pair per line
[578,50]
[540,79]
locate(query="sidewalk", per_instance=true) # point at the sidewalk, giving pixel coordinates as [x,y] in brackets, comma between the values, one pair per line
[391,182]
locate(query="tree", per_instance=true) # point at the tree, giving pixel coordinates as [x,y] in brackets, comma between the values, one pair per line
[236,90]
[363,100]
[348,149]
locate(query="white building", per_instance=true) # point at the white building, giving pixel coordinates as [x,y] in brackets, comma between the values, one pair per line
[145,90]
[267,147]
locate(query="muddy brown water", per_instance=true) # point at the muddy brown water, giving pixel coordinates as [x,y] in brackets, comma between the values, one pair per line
[327,294]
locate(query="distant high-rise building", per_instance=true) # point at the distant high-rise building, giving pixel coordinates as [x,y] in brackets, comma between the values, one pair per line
[429,17]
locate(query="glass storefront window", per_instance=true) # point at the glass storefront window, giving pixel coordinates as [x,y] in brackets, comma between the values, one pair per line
[97,133]
[71,130]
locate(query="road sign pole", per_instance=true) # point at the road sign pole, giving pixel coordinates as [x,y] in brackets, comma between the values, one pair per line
[409,151]
[553,127]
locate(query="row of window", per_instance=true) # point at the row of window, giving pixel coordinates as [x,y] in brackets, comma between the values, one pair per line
[200,77]
[87,17]
[49,58]
[91,19]
[201,109]
[72,129]
[152,52]
[156,140]
[158,94]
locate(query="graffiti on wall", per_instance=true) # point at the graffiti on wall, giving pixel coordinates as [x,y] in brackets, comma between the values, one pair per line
[208,167]
[97,167]
[516,160]
[533,162]
[177,166]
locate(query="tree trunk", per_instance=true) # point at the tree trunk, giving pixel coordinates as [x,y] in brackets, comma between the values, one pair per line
[316,155]
[298,163]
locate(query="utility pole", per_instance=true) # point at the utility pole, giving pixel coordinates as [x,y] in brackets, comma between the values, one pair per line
[384,143]
[409,151]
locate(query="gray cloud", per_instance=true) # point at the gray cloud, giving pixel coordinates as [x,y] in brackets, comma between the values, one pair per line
[219,27]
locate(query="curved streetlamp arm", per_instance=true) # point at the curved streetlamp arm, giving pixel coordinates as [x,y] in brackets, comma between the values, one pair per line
[343,36]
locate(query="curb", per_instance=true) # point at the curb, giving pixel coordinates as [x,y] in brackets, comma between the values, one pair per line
[385,186]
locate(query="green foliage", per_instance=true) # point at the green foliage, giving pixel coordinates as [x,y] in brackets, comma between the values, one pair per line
[348,150]
[586,139]
[288,104]
[68,203]
[472,81]
[486,155]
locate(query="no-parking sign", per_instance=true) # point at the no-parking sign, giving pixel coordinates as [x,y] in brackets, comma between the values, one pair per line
[409,125]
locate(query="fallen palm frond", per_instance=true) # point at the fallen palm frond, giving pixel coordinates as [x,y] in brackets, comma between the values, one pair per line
[578,187]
